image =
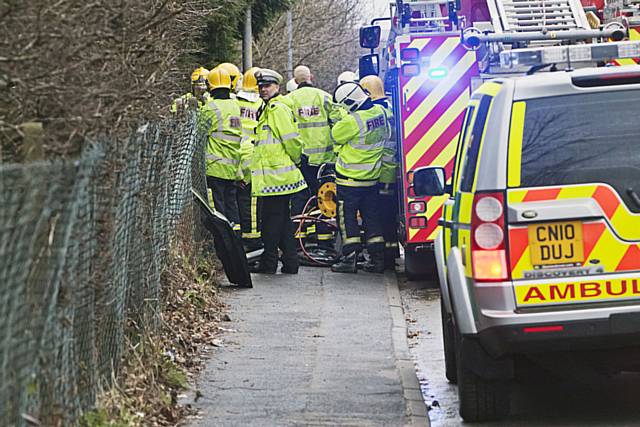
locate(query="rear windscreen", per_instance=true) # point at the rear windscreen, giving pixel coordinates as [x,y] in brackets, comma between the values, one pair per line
[587,138]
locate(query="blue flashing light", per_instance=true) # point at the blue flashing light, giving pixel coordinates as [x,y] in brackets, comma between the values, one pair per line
[437,73]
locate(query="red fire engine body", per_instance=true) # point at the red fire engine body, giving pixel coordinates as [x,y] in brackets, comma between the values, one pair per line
[430,71]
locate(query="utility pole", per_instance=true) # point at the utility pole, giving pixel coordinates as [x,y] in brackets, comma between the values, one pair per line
[289,45]
[247,39]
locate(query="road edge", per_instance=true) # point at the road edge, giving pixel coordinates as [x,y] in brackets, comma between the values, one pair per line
[416,408]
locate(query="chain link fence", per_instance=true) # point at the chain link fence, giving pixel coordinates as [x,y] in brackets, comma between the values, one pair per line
[82,246]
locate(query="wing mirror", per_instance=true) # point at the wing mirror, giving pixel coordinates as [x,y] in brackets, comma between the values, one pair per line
[369,65]
[429,181]
[370,37]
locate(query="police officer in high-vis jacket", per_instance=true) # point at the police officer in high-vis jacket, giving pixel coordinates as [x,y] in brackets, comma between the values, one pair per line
[315,112]
[275,175]
[387,191]
[361,136]
[248,206]
[222,114]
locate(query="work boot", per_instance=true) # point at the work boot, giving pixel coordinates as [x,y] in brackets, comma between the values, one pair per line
[259,268]
[389,261]
[346,264]
[390,265]
[375,264]
[287,269]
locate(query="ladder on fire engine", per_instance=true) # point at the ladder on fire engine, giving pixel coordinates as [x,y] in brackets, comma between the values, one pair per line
[535,16]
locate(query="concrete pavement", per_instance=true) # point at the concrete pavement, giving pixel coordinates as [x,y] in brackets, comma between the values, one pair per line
[317,348]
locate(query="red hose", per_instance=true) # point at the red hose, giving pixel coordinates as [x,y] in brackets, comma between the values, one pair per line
[303,217]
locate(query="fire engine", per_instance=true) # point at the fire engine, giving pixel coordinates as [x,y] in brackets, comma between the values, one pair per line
[438,51]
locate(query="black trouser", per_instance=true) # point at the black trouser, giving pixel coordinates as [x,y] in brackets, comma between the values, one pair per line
[310,174]
[249,212]
[388,203]
[223,192]
[365,200]
[278,232]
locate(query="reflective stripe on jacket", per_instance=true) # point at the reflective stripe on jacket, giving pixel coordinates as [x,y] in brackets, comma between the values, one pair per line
[250,104]
[249,107]
[389,159]
[314,111]
[361,136]
[225,134]
[246,153]
[277,150]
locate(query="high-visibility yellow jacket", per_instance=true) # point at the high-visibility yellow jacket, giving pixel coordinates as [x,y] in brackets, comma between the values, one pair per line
[361,136]
[315,112]
[186,102]
[246,154]
[250,104]
[277,152]
[389,159]
[225,134]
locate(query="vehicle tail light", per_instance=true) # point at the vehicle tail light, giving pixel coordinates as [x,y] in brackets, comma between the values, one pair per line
[410,70]
[409,54]
[417,207]
[417,222]
[488,242]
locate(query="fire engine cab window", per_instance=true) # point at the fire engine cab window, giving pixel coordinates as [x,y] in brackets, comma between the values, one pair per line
[586,138]
[469,167]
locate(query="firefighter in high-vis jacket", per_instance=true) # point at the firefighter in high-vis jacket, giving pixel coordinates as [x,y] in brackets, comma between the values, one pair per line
[222,115]
[315,112]
[275,175]
[361,136]
[198,95]
[250,103]
[387,192]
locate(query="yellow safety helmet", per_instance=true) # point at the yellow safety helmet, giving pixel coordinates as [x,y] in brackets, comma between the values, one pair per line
[199,75]
[249,81]
[233,72]
[219,78]
[373,85]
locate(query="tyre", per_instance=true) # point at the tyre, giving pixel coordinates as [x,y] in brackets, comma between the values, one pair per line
[480,399]
[420,265]
[449,345]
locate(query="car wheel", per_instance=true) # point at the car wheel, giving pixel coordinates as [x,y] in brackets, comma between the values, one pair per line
[449,345]
[480,399]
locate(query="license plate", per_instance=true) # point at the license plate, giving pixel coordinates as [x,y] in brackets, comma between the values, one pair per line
[555,243]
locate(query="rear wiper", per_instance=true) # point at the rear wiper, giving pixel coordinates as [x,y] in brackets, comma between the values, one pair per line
[634,196]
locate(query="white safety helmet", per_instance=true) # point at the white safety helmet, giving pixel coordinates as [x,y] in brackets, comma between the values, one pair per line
[347,76]
[292,85]
[351,95]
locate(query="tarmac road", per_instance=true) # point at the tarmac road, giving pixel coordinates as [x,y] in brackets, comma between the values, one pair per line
[548,402]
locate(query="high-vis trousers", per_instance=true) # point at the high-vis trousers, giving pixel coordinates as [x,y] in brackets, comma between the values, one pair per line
[249,212]
[320,229]
[365,200]
[223,192]
[278,232]
[388,203]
